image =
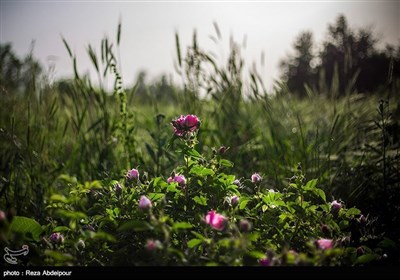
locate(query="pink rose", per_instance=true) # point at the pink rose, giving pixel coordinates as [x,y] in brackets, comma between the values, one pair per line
[192,122]
[256,178]
[185,124]
[180,179]
[144,203]
[216,221]
[325,244]
[132,174]
[335,205]
[152,245]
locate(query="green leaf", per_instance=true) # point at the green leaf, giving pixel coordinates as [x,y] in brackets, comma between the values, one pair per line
[321,194]
[94,185]
[29,228]
[102,235]
[58,256]
[201,171]
[226,163]
[256,254]
[264,208]
[387,243]
[71,214]
[156,181]
[194,243]
[200,200]
[353,212]
[194,153]
[311,184]
[198,235]
[58,198]
[117,211]
[68,179]
[135,226]
[366,258]
[61,229]
[156,196]
[172,187]
[279,203]
[243,203]
[225,242]
[181,225]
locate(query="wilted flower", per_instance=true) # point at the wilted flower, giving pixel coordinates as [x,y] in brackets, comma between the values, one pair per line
[335,205]
[325,229]
[80,244]
[56,238]
[234,200]
[185,124]
[363,219]
[256,178]
[118,188]
[144,203]
[88,227]
[244,225]
[325,244]
[222,150]
[360,251]
[216,221]
[132,174]
[236,182]
[152,245]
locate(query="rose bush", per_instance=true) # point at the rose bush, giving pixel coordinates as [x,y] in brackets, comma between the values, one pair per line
[200,215]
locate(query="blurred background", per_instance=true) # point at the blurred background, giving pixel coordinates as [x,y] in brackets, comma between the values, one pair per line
[267,29]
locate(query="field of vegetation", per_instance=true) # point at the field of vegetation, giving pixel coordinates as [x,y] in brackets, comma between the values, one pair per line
[216,172]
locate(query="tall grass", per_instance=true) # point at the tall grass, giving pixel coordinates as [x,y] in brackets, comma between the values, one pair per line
[77,127]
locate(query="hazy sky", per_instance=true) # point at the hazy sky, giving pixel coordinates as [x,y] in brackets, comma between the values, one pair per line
[148,28]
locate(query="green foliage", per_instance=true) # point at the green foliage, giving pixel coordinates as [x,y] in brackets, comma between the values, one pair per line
[27,228]
[64,147]
[283,227]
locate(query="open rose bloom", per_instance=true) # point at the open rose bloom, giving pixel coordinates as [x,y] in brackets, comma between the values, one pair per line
[180,179]
[325,244]
[185,125]
[216,221]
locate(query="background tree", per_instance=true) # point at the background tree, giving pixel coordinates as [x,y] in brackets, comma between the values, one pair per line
[18,73]
[349,61]
[298,69]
